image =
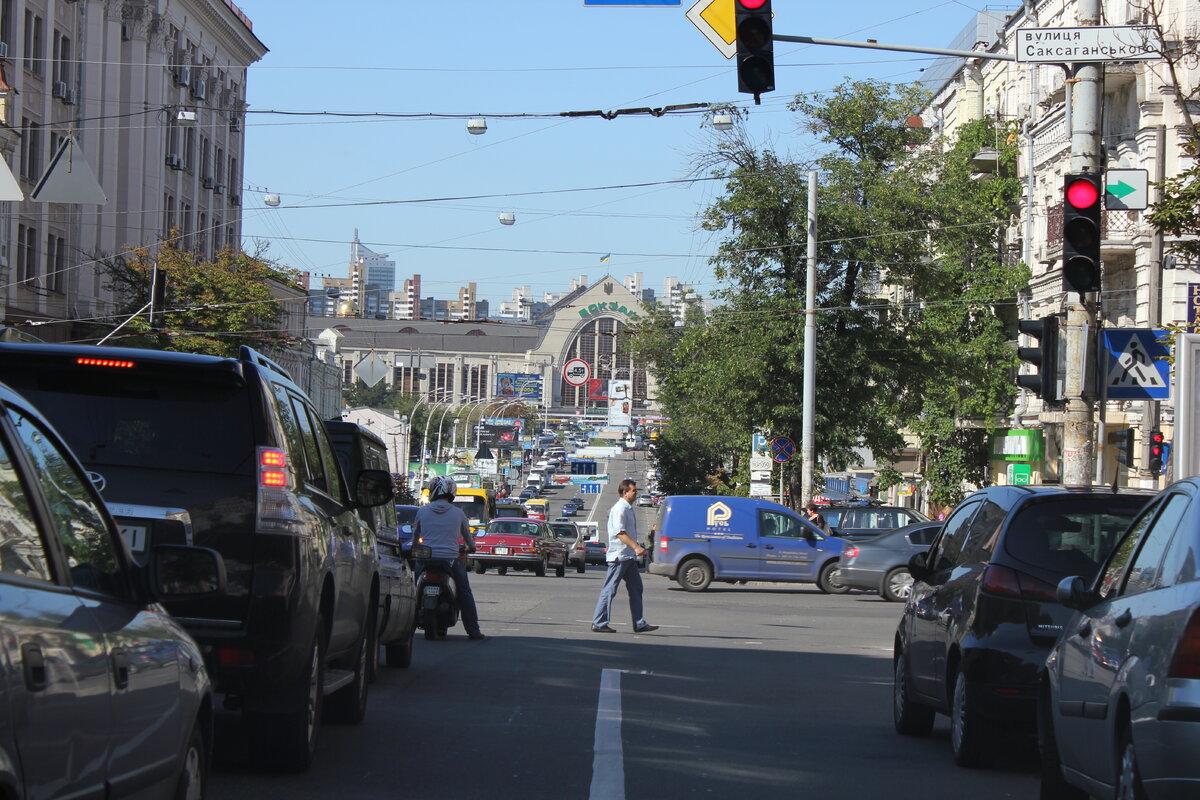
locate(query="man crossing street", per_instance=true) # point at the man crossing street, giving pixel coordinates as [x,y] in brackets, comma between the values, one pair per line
[623,554]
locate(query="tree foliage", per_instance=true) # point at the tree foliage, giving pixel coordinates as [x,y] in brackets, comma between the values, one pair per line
[911,286]
[212,307]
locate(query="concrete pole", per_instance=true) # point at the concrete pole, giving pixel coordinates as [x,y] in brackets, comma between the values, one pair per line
[807,445]
[1078,435]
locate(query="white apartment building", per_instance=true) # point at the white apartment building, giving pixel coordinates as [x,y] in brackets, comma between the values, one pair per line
[153,92]
[374,276]
[1142,122]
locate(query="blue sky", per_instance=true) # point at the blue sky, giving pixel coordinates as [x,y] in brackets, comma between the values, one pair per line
[491,58]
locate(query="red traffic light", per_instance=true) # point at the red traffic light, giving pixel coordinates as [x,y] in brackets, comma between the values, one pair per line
[1157,437]
[752,5]
[1083,193]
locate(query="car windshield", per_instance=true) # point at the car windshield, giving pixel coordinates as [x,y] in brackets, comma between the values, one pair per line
[473,506]
[564,531]
[509,526]
[137,421]
[1071,535]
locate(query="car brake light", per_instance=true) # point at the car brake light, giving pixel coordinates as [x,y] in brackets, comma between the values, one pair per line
[1007,582]
[1186,661]
[104,362]
[272,458]
[662,543]
[273,477]
[235,656]
[850,552]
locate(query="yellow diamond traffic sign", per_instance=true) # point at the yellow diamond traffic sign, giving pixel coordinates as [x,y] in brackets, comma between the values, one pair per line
[715,19]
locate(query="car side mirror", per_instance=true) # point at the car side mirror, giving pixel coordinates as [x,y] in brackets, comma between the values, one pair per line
[1073,592]
[918,566]
[179,571]
[374,488]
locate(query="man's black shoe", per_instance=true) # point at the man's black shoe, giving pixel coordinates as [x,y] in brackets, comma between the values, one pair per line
[603,629]
[645,629]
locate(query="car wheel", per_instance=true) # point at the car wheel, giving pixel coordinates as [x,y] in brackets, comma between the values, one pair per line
[193,773]
[1129,774]
[480,568]
[1053,785]
[970,739]
[348,705]
[827,580]
[560,570]
[540,568]
[288,741]
[400,655]
[581,568]
[897,585]
[501,570]
[694,575]
[910,717]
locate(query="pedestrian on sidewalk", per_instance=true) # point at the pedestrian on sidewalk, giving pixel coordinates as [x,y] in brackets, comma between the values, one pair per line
[623,554]
[814,516]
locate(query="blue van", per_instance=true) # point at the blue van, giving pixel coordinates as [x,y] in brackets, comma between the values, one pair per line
[702,539]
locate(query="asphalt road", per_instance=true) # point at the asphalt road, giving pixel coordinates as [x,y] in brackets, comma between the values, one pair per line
[768,690]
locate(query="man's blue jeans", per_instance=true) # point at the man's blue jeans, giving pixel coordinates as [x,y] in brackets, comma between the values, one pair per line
[620,570]
[462,588]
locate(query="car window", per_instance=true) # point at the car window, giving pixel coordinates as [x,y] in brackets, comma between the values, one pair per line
[22,551]
[313,471]
[949,547]
[1144,571]
[78,521]
[923,537]
[984,530]
[1071,535]
[832,516]
[773,523]
[333,473]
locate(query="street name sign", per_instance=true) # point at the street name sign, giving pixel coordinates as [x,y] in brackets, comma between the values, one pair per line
[1136,364]
[1126,189]
[1098,43]
[715,19]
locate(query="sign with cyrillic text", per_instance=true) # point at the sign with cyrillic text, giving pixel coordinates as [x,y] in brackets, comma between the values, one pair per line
[1063,45]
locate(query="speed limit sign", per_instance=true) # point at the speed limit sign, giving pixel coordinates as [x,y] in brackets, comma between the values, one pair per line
[576,372]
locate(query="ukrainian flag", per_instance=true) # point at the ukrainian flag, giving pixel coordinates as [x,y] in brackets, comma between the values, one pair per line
[605,258]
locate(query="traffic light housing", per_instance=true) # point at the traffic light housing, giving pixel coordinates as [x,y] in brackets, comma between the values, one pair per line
[1122,440]
[1082,195]
[1045,357]
[755,48]
[1158,447]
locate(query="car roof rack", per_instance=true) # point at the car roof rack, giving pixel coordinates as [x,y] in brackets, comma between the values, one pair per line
[247,353]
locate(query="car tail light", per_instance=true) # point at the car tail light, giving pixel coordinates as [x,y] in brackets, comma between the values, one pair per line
[662,543]
[850,552]
[278,508]
[235,656]
[105,362]
[1007,582]
[1186,662]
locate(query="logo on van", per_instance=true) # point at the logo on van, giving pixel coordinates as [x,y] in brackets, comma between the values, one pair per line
[719,514]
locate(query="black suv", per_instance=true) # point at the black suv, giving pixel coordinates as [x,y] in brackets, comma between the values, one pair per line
[983,613]
[230,454]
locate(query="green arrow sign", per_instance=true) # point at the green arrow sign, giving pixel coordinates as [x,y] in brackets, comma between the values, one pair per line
[1120,189]
[1126,189]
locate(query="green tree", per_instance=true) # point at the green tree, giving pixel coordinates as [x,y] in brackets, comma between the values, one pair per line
[212,307]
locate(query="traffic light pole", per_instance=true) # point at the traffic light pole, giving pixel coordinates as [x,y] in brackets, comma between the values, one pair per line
[1079,443]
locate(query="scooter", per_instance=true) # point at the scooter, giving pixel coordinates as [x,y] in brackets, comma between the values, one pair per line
[437,610]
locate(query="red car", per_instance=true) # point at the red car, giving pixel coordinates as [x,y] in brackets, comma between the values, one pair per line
[520,544]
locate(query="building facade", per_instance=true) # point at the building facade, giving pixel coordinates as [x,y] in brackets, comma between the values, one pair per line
[153,95]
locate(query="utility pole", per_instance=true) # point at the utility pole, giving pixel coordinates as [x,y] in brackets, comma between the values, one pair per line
[807,444]
[1078,443]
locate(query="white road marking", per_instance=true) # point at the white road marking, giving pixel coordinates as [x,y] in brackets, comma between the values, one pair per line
[608,756]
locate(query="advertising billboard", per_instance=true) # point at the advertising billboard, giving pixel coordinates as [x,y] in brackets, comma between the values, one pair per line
[501,432]
[523,385]
[597,389]
[620,403]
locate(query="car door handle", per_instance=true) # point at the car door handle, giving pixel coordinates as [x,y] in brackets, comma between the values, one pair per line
[120,668]
[33,663]
[1085,630]
[765,546]
[1125,618]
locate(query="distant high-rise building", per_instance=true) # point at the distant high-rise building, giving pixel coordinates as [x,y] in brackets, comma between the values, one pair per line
[465,306]
[375,274]
[408,302]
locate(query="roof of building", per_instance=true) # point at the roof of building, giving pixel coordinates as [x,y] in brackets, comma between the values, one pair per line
[429,335]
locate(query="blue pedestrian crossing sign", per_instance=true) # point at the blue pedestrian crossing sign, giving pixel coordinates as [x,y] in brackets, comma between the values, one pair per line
[1135,364]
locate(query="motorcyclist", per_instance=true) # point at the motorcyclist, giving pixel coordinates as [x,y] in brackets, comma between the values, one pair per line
[441,525]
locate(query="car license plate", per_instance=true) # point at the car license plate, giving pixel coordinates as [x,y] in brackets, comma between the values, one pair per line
[135,537]
[432,591]
[501,551]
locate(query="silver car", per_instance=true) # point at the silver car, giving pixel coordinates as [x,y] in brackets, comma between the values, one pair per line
[102,694]
[1120,704]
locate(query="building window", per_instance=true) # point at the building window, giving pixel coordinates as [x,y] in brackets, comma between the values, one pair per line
[348,372]
[202,236]
[189,150]
[61,58]
[26,253]
[6,22]
[185,226]
[35,53]
[168,214]
[31,150]
[56,262]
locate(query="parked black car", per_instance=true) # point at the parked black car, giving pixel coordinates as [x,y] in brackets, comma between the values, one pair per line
[89,666]
[983,613]
[357,449]
[229,453]
[881,564]
[861,522]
